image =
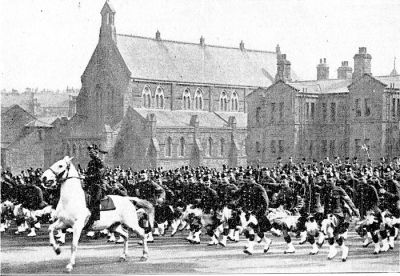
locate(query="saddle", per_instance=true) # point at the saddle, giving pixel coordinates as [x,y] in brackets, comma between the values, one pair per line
[106,204]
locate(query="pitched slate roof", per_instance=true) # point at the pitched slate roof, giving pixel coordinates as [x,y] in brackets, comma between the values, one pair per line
[181,118]
[390,79]
[149,58]
[38,123]
[323,86]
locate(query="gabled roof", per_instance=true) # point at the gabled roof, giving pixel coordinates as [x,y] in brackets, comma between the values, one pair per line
[38,123]
[365,75]
[149,58]
[323,86]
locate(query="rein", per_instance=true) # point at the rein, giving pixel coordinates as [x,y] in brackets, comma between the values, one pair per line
[59,176]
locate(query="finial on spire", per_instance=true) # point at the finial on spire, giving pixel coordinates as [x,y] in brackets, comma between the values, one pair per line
[394,71]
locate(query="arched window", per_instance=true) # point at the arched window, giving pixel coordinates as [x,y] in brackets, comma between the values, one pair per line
[146,96]
[223,101]
[234,102]
[67,150]
[186,99]
[168,148]
[182,147]
[159,97]
[198,98]
[73,150]
[210,144]
[222,146]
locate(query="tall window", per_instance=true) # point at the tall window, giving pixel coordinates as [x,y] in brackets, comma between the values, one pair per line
[280,145]
[272,112]
[146,97]
[312,111]
[258,115]
[273,146]
[234,102]
[182,147]
[222,146]
[223,101]
[367,106]
[168,151]
[281,105]
[367,143]
[258,147]
[358,108]
[393,107]
[398,107]
[324,112]
[159,97]
[357,145]
[198,99]
[311,148]
[324,148]
[332,148]
[210,144]
[307,111]
[333,112]
[186,99]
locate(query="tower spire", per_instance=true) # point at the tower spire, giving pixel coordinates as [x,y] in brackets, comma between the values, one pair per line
[394,72]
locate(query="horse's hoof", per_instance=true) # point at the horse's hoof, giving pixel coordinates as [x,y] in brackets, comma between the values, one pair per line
[58,251]
[143,259]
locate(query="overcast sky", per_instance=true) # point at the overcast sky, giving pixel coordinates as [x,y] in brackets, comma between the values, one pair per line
[48,43]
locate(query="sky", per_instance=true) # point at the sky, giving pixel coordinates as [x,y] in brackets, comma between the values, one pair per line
[48,43]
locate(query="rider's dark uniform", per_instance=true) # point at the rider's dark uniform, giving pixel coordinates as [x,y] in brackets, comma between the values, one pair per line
[94,182]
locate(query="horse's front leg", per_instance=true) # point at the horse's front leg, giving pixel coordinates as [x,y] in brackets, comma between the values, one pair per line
[77,230]
[56,225]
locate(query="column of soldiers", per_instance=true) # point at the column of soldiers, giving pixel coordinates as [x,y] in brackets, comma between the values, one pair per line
[325,195]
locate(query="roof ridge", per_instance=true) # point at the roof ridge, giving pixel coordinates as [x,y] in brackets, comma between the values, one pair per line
[197,44]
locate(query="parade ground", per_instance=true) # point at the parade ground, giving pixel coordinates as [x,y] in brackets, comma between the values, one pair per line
[174,255]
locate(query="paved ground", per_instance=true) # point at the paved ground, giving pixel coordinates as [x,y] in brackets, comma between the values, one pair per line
[23,255]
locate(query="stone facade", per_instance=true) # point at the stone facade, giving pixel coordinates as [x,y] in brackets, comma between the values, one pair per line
[326,117]
[156,103]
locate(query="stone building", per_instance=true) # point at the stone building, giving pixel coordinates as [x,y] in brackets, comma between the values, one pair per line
[151,102]
[326,117]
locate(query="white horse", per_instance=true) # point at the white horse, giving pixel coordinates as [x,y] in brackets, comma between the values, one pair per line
[72,212]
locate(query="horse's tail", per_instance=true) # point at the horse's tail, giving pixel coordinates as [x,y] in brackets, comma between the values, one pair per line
[144,206]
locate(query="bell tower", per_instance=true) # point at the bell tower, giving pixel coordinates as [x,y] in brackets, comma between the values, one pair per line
[107,29]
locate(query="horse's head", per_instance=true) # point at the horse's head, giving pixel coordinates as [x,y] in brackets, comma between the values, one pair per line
[58,171]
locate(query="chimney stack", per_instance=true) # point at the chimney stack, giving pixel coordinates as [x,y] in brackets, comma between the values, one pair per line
[344,72]
[158,35]
[322,70]
[362,63]
[283,71]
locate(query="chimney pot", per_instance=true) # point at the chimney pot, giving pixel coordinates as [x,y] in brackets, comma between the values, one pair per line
[202,41]
[158,35]
[320,60]
[362,50]
[241,45]
[324,60]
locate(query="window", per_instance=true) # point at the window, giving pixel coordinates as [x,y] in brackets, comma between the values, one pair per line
[223,101]
[307,111]
[146,97]
[234,102]
[222,146]
[198,99]
[40,135]
[186,99]
[333,112]
[258,115]
[168,151]
[281,105]
[73,150]
[210,144]
[312,111]
[332,148]
[358,108]
[398,107]
[311,148]
[273,146]
[357,145]
[182,147]
[367,110]
[280,145]
[367,143]
[258,147]
[324,148]
[393,107]
[159,97]
[272,112]
[324,112]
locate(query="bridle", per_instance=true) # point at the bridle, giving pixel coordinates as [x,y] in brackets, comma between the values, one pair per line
[59,176]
